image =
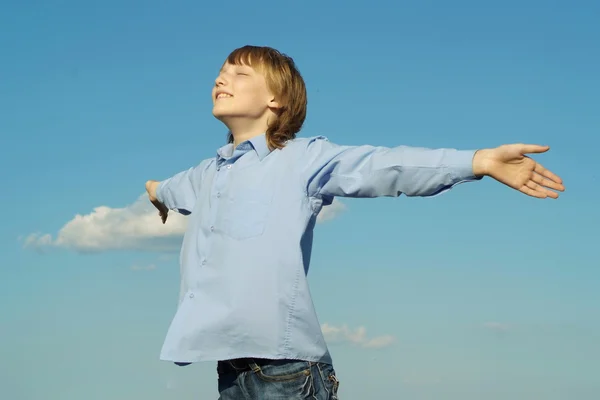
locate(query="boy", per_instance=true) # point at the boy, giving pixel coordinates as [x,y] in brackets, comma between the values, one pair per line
[245,301]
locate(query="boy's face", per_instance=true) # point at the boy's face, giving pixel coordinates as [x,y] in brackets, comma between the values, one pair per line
[241,92]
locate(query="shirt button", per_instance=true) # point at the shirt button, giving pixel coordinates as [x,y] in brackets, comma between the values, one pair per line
[203,262]
[191,295]
[212,228]
[218,194]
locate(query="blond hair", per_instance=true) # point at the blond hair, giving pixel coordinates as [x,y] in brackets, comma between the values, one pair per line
[285,82]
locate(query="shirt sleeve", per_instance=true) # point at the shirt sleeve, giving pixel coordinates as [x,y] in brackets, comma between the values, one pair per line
[179,192]
[369,171]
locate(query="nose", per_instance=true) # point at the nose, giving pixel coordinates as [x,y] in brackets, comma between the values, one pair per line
[220,81]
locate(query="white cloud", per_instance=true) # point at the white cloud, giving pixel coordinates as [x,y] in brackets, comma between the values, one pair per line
[331,211]
[358,336]
[134,227]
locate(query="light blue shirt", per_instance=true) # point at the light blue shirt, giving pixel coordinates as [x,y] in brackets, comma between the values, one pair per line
[247,248]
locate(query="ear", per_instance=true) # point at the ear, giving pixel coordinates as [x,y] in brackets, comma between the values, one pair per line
[274,104]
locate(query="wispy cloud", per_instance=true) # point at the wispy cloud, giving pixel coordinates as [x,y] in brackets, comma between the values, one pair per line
[134,227]
[147,267]
[358,336]
[497,327]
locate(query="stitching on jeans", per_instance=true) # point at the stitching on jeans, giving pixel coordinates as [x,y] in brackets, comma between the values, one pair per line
[323,380]
[306,382]
[307,387]
[336,385]
[279,378]
[314,388]
[237,369]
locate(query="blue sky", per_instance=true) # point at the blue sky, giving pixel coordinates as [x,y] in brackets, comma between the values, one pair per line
[479,293]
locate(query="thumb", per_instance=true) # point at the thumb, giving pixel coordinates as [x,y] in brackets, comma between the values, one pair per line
[533,148]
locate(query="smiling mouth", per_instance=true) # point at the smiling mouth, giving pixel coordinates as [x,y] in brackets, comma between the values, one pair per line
[223,96]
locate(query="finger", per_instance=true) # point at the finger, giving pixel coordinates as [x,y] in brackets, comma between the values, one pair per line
[540,180]
[539,168]
[533,148]
[540,190]
[533,193]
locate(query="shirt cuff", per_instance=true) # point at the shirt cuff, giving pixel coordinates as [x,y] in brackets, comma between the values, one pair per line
[460,165]
[159,192]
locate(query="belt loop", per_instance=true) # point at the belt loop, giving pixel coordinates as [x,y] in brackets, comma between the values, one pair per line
[254,366]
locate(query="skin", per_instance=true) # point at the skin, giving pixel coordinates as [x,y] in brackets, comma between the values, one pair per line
[248,112]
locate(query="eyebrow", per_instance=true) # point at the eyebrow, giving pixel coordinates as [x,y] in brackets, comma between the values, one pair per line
[238,66]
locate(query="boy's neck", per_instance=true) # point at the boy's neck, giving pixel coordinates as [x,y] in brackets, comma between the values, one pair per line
[243,132]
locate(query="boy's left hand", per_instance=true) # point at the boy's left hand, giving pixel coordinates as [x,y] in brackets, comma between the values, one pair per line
[510,165]
[163,211]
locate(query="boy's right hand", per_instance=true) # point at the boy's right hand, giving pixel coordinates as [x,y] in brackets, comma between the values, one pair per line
[163,211]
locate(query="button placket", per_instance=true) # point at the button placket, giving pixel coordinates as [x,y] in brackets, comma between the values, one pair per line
[218,183]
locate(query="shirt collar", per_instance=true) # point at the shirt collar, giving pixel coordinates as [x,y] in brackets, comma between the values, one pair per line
[258,143]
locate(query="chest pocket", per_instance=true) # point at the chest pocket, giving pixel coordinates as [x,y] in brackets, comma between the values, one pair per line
[247,206]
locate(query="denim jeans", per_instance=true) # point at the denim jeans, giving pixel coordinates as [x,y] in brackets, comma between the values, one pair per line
[248,379]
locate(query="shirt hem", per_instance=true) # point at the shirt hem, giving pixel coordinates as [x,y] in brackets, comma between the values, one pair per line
[213,358]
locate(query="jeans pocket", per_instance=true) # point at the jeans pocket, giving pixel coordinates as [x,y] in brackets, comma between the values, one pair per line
[283,371]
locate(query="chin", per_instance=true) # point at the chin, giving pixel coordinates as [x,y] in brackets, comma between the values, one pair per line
[222,116]
[219,113]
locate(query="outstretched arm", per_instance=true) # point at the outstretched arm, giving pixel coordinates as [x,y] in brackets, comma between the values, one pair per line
[332,170]
[367,171]
[178,192]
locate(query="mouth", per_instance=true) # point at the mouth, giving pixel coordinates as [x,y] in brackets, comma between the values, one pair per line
[222,95]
